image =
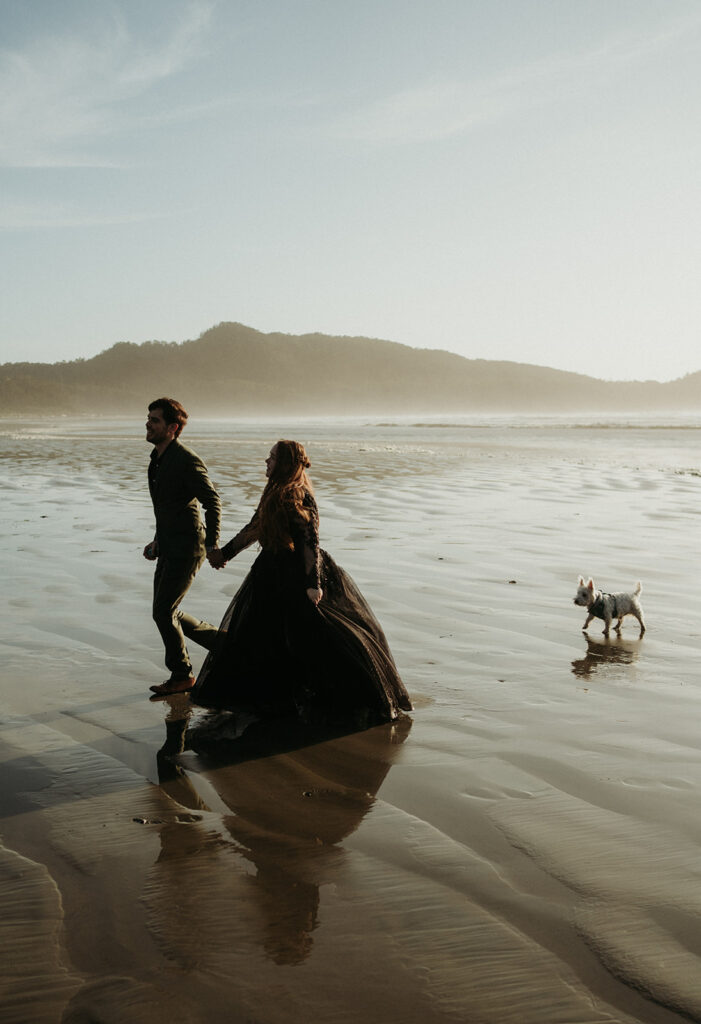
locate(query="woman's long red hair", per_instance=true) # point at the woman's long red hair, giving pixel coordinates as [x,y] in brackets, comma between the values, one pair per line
[284,495]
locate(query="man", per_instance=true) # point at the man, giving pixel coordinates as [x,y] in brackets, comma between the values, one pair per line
[177,480]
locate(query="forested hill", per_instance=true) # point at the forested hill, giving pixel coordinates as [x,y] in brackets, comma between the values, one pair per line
[233,370]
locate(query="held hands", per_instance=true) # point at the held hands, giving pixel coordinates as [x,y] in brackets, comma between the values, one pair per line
[216,558]
[315,594]
[214,555]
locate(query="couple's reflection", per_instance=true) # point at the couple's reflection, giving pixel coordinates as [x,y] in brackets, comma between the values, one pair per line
[287,795]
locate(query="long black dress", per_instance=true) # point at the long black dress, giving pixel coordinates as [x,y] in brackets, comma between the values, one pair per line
[277,653]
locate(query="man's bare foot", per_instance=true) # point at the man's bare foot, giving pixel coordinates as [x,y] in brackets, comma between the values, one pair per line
[174,686]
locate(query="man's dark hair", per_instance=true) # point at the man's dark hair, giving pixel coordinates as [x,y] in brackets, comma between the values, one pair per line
[172,410]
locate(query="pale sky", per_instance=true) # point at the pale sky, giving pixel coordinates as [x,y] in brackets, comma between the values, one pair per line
[505,179]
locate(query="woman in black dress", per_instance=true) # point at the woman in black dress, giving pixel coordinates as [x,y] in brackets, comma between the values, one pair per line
[298,637]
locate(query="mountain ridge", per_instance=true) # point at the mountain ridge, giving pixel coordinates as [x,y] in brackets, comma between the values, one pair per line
[232,369]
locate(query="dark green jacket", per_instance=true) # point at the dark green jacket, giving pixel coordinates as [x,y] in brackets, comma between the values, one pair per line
[177,482]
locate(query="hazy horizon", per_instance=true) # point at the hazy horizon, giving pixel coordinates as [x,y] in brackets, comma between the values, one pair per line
[543,366]
[512,181]
[232,369]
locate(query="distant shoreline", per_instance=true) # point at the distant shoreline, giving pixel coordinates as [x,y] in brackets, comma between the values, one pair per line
[235,370]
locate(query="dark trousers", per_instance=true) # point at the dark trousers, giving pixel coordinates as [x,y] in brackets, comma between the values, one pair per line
[203,633]
[171,582]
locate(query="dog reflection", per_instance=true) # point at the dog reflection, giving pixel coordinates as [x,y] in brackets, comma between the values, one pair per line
[603,654]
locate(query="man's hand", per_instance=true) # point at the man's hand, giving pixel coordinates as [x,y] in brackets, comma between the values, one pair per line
[151,551]
[315,594]
[216,558]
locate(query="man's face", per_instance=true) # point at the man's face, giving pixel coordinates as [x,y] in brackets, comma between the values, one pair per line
[157,430]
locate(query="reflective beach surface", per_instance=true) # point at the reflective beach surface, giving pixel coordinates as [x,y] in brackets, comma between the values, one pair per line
[522,848]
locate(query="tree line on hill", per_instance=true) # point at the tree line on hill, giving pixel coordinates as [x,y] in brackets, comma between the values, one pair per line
[234,370]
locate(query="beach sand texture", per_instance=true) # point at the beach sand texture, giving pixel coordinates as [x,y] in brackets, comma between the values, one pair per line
[524,848]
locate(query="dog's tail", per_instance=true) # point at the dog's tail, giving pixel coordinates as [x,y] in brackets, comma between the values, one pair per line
[638,588]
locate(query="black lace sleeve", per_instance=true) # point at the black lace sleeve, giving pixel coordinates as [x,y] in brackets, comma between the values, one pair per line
[243,539]
[305,537]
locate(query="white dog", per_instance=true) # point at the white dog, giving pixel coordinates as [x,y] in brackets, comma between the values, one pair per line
[609,606]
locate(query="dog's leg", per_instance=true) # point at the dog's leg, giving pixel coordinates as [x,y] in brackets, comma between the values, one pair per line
[639,617]
[586,622]
[607,626]
[617,627]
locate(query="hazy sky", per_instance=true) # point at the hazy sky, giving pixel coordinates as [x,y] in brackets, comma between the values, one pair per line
[506,179]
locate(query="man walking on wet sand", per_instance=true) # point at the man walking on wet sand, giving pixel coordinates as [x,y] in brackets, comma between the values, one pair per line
[178,481]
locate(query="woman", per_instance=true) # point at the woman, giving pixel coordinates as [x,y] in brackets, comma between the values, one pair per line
[298,637]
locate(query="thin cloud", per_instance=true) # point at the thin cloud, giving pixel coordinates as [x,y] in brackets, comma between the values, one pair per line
[440,109]
[20,216]
[60,96]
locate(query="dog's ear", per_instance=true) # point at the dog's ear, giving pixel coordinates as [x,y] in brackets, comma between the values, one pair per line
[590,584]
[581,581]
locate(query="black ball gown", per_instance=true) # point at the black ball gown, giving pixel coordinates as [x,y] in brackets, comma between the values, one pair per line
[278,653]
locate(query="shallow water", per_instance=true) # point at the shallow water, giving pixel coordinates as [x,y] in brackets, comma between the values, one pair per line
[526,851]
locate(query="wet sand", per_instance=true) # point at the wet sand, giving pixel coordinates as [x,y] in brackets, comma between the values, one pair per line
[523,848]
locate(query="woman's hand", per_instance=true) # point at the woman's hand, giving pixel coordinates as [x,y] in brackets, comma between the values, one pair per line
[315,594]
[216,558]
